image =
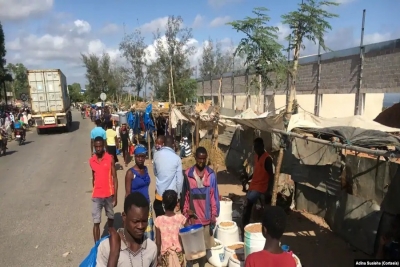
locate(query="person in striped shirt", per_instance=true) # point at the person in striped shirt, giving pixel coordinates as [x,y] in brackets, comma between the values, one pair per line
[186,150]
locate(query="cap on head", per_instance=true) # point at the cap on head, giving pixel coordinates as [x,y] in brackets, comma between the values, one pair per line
[140,149]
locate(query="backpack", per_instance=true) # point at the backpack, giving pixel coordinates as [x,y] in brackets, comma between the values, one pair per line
[90,260]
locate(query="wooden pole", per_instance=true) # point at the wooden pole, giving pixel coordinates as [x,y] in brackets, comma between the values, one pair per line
[170,110]
[149,144]
[172,84]
[197,131]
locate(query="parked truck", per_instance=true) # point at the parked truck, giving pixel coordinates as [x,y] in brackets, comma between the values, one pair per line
[50,100]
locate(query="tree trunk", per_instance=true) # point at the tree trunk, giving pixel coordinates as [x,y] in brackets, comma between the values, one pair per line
[170,110]
[216,112]
[288,115]
[259,109]
[197,131]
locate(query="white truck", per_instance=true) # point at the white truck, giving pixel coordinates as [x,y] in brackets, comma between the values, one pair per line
[50,99]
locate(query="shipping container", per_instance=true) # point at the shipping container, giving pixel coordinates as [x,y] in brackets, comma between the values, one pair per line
[48,91]
[50,99]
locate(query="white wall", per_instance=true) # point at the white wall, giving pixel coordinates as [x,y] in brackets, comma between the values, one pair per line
[331,106]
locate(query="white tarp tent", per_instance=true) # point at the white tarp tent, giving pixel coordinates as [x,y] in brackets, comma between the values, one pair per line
[307,120]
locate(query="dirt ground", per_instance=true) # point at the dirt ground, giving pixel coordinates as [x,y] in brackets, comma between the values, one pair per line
[308,236]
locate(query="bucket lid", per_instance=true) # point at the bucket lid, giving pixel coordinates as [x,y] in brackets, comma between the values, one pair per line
[190,228]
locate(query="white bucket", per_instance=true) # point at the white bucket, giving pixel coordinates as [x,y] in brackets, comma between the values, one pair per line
[235,262]
[229,250]
[228,234]
[253,240]
[215,255]
[225,211]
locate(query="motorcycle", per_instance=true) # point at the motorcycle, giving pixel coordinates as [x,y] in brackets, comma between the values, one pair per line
[19,136]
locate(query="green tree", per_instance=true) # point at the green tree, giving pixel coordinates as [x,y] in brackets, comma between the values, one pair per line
[260,47]
[75,92]
[133,49]
[102,76]
[4,75]
[172,65]
[20,83]
[309,22]
[214,60]
[3,51]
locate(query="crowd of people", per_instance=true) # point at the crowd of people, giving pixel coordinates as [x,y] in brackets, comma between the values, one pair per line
[12,119]
[182,197]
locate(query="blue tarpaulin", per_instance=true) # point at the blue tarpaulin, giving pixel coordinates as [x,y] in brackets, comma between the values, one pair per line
[130,119]
[148,121]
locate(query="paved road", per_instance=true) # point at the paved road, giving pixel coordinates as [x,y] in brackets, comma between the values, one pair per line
[45,199]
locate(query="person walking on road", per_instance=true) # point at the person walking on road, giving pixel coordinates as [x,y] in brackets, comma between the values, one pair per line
[112,141]
[105,186]
[125,142]
[137,179]
[97,131]
[128,246]
[168,172]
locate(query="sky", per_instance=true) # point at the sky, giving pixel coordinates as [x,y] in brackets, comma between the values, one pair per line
[45,34]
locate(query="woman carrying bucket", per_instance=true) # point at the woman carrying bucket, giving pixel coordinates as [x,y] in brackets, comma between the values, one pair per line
[137,179]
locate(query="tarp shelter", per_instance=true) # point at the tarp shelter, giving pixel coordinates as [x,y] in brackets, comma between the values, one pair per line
[176,116]
[355,130]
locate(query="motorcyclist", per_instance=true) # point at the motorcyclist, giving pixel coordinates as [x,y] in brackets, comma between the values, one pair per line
[19,124]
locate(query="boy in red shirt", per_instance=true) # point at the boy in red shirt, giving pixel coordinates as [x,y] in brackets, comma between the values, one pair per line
[105,186]
[273,226]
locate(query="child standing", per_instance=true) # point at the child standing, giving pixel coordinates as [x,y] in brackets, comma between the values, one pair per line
[170,252]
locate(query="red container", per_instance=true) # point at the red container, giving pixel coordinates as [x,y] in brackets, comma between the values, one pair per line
[131,149]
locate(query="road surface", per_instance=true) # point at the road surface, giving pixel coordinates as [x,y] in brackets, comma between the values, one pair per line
[45,199]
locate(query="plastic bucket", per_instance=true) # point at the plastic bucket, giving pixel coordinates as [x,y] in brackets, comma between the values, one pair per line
[235,261]
[215,255]
[228,233]
[236,248]
[122,118]
[253,238]
[225,211]
[193,241]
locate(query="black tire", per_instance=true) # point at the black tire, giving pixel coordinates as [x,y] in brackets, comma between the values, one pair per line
[21,141]
[39,131]
[30,123]
[68,127]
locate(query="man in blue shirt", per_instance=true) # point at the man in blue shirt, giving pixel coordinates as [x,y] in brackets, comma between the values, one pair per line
[97,131]
[168,171]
